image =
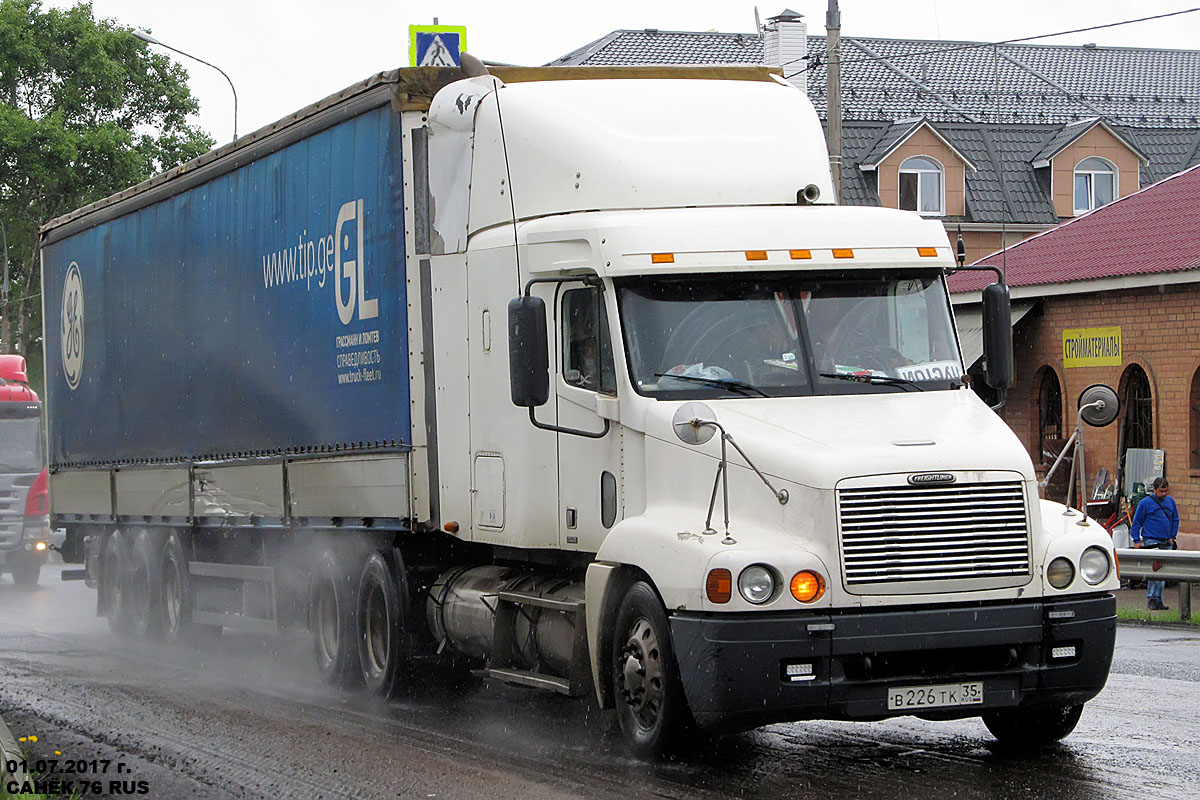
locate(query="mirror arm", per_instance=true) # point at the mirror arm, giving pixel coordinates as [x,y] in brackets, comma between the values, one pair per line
[980,268]
[572,431]
[586,280]
[780,494]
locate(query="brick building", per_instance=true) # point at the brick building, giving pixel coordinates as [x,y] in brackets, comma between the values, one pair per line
[1110,297]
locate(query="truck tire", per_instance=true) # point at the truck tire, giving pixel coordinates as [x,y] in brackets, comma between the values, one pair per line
[1034,728]
[145,583]
[176,594]
[650,703]
[333,619]
[26,568]
[114,585]
[381,635]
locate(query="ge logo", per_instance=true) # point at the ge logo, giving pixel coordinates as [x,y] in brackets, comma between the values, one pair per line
[71,326]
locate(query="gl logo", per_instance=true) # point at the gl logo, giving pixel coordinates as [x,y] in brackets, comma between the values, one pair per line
[348,265]
[71,326]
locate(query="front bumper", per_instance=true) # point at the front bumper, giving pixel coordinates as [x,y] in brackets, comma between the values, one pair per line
[35,530]
[734,673]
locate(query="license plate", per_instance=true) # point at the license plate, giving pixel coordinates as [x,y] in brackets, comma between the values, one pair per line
[937,696]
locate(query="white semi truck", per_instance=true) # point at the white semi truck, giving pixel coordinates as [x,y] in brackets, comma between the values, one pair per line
[577,374]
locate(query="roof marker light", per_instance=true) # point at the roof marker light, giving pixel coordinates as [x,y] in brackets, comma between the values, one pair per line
[662,258]
[756,255]
[927,252]
[843,252]
[800,255]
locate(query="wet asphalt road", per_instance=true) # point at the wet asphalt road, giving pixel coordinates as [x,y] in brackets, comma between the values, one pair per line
[249,718]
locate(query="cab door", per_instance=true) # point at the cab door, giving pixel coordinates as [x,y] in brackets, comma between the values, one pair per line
[589,469]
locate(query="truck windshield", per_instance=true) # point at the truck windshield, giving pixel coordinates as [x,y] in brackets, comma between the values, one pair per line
[20,445]
[790,334]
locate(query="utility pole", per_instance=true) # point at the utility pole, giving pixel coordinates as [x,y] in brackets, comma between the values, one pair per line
[833,94]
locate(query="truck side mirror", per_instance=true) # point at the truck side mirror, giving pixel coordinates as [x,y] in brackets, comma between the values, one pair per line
[997,336]
[528,356]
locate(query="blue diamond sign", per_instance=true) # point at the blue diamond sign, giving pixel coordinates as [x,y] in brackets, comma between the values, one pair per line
[436,45]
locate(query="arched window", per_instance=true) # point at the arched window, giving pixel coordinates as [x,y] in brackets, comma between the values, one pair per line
[922,188]
[1095,184]
[1049,416]
[1139,409]
[1194,421]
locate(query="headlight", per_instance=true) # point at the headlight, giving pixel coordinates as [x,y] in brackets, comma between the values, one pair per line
[1060,573]
[757,584]
[1093,565]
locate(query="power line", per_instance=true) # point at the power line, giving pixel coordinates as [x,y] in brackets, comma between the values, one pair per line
[977,45]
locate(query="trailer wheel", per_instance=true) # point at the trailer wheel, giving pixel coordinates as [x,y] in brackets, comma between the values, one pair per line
[1027,730]
[333,618]
[145,584]
[114,583]
[650,703]
[176,608]
[26,569]
[381,650]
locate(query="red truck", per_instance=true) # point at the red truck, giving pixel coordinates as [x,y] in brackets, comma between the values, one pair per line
[25,534]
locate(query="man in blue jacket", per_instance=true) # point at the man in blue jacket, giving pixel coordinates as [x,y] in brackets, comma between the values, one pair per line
[1155,524]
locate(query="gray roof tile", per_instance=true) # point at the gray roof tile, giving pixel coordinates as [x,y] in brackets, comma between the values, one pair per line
[964,81]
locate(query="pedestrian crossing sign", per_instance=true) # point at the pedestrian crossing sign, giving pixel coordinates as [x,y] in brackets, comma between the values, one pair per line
[436,45]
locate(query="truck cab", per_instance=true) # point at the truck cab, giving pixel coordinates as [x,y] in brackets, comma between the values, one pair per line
[25,535]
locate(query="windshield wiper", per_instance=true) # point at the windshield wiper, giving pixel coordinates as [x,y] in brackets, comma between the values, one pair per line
[875,380]
[718,383]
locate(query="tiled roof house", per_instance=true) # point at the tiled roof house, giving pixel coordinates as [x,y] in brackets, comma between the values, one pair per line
[1008,139]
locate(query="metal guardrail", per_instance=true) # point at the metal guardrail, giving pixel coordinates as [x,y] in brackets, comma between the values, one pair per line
[1163,565]
[1159,565]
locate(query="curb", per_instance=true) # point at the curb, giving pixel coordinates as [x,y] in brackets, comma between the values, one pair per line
[10,751]
[1150,623]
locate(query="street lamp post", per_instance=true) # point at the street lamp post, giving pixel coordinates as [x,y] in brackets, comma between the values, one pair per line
[148,39]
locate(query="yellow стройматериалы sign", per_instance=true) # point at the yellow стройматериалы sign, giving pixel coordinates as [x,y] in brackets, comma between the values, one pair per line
[1092,347]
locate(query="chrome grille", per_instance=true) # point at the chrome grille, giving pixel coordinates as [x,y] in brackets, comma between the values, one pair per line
[927,533]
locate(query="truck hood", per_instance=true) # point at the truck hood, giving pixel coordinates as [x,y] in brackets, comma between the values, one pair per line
[816,441]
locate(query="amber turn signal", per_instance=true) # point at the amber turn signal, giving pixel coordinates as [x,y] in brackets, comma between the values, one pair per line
[807,586]
[719,586]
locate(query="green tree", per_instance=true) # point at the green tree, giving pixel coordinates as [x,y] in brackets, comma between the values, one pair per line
[85,111]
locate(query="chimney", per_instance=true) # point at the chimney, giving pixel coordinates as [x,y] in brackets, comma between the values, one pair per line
[785,44]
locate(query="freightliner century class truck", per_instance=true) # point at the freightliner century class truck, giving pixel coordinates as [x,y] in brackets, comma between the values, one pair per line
[580,376]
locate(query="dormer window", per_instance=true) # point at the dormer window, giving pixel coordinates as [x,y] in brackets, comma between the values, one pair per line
[1095,184]
[922,186]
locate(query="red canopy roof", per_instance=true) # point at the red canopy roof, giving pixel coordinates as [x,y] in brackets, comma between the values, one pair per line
[1154,230]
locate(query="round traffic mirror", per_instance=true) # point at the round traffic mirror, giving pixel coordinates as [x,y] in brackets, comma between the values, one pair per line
[1099,405]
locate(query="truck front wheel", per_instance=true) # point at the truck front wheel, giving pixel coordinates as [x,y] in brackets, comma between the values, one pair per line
[1029,729]
[650,703]
[26,569]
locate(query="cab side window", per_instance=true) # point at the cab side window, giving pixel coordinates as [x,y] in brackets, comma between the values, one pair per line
[586,346]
